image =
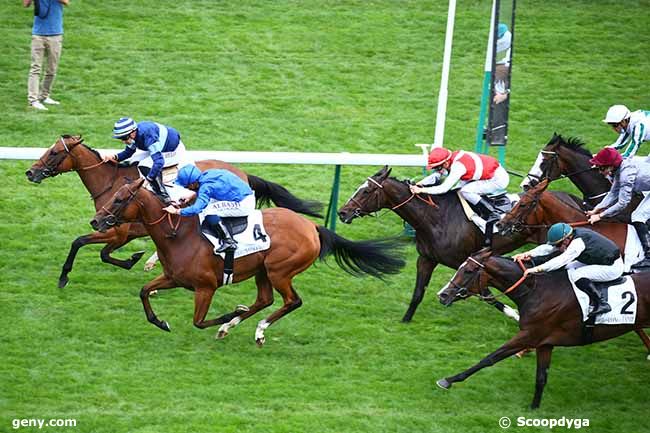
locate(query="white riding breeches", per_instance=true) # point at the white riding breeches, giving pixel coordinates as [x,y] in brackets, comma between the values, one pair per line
[579,270]
[230,208]
[642,211]
[178,156]
[473,190]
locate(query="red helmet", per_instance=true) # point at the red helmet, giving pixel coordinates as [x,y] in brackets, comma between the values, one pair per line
[607,157]
[438,156]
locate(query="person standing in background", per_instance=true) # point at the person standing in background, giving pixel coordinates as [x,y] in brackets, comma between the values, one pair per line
[47,41]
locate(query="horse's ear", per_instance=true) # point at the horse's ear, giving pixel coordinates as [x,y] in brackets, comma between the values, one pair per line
[384,172]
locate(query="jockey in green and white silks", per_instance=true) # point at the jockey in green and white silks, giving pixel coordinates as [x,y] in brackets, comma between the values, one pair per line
[633,128]
[219,193]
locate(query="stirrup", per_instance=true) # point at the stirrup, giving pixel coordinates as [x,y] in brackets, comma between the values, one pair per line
[226,245]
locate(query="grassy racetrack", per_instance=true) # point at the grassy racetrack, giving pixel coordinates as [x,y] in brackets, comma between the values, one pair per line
[321,76]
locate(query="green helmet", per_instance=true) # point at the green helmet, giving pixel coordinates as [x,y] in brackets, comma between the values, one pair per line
[558,232]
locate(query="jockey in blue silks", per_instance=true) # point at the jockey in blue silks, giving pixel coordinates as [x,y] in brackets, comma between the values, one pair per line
[220,193]
[162,145]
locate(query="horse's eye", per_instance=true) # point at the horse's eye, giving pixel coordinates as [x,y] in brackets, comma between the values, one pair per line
[118,200]
[523,205]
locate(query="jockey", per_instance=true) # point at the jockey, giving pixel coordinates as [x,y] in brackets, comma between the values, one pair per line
[629,176]
[479,174]
[589,255]
[163,146]
[633,128]
[219,194]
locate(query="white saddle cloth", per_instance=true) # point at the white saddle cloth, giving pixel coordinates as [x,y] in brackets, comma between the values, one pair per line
[622,298]
[251,240]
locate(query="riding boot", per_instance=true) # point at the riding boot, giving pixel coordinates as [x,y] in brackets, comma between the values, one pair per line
[490,211]
[599,298]
[644,236]
[228,243]
[159,189]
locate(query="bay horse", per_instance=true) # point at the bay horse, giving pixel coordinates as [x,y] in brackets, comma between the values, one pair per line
[102,180]
[443,234]
[550,314]
[188,259]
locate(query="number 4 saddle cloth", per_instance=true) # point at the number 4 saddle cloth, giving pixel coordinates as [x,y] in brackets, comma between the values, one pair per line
[621,296]
[248,231]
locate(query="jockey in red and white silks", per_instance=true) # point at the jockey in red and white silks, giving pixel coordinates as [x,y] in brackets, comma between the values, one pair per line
[478,174]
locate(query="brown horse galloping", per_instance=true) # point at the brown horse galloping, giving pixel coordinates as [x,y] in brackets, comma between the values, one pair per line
[538,209]
[102,180]
[188,260]
[550,314]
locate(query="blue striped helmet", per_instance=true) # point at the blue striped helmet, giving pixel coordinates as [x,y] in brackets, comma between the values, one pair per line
[123,127]
[501,30]
[188,175]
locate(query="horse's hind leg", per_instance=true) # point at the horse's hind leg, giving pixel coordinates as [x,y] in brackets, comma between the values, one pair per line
[645,339]
[159,283]
[263,300]
[291,302]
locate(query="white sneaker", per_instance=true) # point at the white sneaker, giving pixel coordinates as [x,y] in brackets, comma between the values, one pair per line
[50,101]
[37,105]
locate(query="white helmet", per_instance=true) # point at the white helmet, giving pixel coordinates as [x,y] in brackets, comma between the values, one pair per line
[616,114]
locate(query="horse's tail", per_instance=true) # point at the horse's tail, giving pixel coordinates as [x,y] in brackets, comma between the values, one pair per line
[363,257]
[267,192]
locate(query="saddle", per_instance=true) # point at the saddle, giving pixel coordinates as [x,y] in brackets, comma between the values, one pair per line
[236,225]
[499,201]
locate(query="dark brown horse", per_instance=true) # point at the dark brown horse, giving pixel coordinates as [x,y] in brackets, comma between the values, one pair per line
[188,260]
[443,234]
[570,159]
[102,180]
[538,209]
[550,314]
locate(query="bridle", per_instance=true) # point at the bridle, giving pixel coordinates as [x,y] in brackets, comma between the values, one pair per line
[114,218]
[56,158]
[359,212]
[483,293]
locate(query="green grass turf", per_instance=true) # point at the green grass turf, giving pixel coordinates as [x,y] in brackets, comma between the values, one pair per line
[294,76]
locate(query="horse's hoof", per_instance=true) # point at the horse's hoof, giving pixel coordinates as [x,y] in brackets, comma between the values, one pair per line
[260,341]
[444,384]
[165,326]
[242,309]
[149,267]
[137,256]
[648,357]
[153,293]
[63,281]
[220,335]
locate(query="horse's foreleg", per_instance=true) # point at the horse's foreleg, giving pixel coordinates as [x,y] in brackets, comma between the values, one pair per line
[425,269]
[119,239]
[159,283]
[543,363]
[151,262]
[112,237]
[263,300]
[505,309]
[517,343]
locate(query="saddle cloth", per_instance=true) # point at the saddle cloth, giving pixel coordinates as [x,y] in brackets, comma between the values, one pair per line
[253,239]
[477,219]
[621,297]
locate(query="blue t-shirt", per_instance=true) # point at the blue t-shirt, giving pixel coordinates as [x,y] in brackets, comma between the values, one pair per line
[219,185]
[49,21]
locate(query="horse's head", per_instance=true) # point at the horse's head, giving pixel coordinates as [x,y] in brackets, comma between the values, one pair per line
[470,279]
[123,207]
[564,157]
[516,220]
[56,160]
[368,198]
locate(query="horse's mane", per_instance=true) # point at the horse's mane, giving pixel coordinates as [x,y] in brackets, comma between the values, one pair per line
[574,143]
[92,150]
